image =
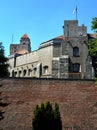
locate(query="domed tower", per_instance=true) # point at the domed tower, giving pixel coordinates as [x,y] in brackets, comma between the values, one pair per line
[25,43]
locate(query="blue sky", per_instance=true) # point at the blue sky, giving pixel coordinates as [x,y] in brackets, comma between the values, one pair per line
[42,20]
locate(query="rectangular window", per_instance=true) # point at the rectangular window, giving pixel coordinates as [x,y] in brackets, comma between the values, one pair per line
[75,51]
[76,67]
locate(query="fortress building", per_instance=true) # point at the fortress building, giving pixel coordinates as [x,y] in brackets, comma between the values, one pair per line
[66,56]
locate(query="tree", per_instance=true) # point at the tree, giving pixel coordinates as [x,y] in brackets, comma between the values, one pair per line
[94,24]
[3,73]
[93,46]
[3,62]
[45,117]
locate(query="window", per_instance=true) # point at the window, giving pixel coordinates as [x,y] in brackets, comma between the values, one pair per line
[15,74]
[45,69]
[24,72]
[24,43]
[75,51]
[20,73]
[76,67]
[29,72]
[35,71]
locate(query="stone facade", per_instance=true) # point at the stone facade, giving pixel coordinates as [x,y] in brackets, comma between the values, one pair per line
[22,48]
[65,56]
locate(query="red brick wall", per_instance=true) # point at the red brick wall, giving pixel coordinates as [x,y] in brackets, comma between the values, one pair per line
[77,101]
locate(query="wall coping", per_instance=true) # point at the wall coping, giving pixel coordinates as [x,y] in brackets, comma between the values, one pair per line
[46,79]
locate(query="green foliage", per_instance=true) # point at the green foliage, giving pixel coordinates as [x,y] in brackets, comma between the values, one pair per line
[47,118]
[3,73]
[93,47]
[93,43]
[93,52]
[3,62]
[95,79]
[94,24]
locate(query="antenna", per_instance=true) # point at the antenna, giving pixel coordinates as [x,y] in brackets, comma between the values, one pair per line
[12,38]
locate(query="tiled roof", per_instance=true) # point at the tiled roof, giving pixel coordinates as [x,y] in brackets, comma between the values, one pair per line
[92,35]
[22,52]
[56,38]
[25,36]
[59,37]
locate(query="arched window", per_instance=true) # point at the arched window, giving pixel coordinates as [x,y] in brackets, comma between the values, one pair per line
[75,51]
[24,73]
[76,67]
[24,43]
[45,69]
[35,69]
[20,73]
[15,74]
[29,72]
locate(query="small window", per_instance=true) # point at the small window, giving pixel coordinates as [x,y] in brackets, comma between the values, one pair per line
[35,71]
[15,74]
[24,43]
[29,72]
[76,67]
[75,51]
[20,73]
[45,69]
[24,72]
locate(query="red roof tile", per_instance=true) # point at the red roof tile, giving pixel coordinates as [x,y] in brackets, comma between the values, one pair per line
[22,51]
[25,36]
[92,35]
[60,37]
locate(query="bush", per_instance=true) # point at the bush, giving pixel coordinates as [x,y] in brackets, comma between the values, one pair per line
[45,117]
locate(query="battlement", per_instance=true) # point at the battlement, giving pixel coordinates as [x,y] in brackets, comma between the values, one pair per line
[71,29]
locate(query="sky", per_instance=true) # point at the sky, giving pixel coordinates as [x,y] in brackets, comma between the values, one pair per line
[41,20]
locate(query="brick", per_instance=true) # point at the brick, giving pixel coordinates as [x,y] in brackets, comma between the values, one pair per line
[77,101]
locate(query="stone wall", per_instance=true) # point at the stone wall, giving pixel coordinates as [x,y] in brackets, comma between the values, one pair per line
[77,101]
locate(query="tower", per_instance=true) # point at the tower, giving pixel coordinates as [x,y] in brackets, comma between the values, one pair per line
[22,48]
[25,43]
[76,47]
